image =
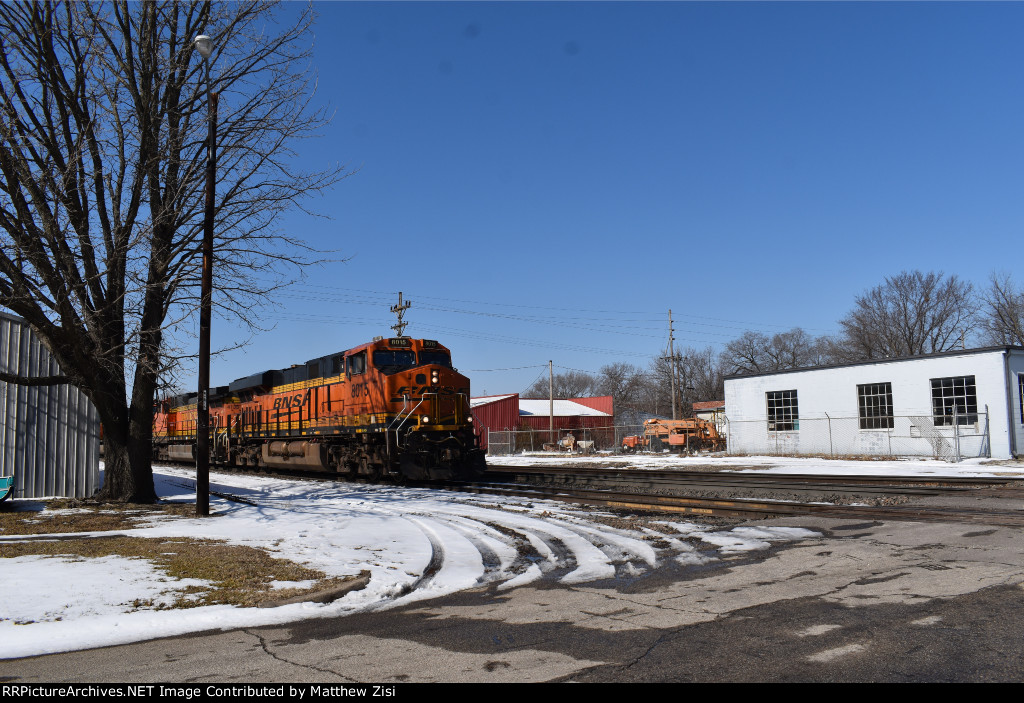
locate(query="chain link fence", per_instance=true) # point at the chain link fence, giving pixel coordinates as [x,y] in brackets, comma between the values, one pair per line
[951,438]
[577,439]
[584,440]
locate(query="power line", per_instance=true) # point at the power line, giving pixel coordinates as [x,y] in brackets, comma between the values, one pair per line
[628,315]
[510,368]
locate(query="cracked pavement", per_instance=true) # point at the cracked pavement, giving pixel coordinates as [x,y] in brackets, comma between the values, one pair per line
[892,601]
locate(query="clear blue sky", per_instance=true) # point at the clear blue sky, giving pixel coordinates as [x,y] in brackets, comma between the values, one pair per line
[545,180]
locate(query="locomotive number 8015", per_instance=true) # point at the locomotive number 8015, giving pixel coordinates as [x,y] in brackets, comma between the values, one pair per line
[394,407]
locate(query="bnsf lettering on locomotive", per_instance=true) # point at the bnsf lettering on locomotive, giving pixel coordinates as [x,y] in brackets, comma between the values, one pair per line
[297,399]
[416,392]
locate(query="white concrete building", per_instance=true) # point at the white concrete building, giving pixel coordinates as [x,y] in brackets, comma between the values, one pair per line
[950,405]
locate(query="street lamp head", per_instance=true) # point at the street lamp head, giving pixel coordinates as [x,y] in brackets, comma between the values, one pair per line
[204,45]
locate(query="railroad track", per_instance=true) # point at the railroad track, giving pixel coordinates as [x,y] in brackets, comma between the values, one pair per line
[631,490]
[664,491]
[667,477]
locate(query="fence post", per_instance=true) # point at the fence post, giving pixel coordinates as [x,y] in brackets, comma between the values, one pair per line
[831,453]
[988,437]
[956,432]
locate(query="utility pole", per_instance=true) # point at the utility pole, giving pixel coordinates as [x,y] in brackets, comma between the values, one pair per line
[400,310]
[204,45]
[672,361]
[551,403]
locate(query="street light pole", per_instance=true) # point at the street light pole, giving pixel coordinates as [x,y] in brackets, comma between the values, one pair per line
[204,45]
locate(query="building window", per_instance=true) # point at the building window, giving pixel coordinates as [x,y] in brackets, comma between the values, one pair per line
[875,403]
[954,397]
[1020,395]
[783,414]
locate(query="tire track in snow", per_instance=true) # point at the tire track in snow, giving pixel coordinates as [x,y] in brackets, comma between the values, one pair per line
[455,562]
[433,565]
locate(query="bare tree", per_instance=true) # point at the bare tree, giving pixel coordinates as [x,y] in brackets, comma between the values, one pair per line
[623,382]
[702,376]
[1002,314]
[748,353]
[909,314]
[571,384]
[101,203]
[755,352]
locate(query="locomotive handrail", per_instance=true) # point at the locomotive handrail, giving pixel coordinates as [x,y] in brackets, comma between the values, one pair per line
[402,423]
[405,404]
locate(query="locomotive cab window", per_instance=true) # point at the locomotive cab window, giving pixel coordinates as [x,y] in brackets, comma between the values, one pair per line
[440,358]
[389,361]
[357,364]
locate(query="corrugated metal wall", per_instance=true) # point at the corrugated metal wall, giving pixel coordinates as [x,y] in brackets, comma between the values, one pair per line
[500,414]
[49,435]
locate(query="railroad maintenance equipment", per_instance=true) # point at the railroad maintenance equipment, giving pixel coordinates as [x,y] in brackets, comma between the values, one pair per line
[691,434]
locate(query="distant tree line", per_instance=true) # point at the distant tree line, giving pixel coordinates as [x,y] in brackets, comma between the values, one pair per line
[909,314]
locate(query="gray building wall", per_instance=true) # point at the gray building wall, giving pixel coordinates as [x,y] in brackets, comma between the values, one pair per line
[49,435]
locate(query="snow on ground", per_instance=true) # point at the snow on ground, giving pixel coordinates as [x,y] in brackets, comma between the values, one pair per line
[926,468]
[417,543]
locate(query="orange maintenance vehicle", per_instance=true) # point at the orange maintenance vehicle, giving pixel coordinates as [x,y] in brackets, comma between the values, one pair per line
[691,434]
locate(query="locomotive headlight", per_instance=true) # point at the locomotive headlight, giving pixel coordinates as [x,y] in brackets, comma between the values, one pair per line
[434,376]
[426,420]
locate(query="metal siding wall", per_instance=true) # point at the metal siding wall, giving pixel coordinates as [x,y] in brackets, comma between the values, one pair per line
[500,415]
[565,422]
[49,435]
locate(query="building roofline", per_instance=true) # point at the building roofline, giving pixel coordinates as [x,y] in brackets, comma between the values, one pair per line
[12,317]
[869,362]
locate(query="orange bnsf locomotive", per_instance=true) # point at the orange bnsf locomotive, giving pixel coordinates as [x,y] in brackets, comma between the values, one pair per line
[391,408]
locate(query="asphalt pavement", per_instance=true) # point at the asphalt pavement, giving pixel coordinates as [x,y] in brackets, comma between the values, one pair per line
[866,601]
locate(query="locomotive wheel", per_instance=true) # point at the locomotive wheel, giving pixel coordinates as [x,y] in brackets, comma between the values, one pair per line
[369,470]
[347,470]
[475,467]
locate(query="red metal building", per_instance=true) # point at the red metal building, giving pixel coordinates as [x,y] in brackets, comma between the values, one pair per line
[587,418]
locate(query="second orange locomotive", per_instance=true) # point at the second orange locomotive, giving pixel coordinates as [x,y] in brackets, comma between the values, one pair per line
[393,407]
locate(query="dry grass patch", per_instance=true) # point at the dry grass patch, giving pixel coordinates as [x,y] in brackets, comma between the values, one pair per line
[65,516]
[234,574]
